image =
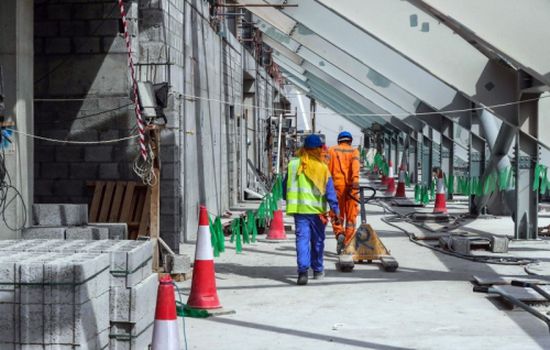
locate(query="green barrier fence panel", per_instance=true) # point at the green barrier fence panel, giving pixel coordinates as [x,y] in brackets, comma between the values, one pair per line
[213,237]
[544,181]
[218,227]
[536,179]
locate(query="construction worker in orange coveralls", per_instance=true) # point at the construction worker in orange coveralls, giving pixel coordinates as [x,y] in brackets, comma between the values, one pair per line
[344,166]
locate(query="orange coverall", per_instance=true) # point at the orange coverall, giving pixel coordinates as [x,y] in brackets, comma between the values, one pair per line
[344,164]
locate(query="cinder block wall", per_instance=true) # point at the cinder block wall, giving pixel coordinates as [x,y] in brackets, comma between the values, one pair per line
[80,53]
[82,91]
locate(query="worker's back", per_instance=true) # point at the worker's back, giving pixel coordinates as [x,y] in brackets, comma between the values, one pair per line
[344,165]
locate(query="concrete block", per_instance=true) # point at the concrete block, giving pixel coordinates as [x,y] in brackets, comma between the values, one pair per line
[43,232]
[70,323]
[113,45]
[130,256]
[57,171]
[74,28]
[60,214]
[177,263]
[130,329]
[46,29]
[9,324]
[120,341]
[98,154]
[69,154]
[461,245]
[57,45]
[87,232]
[43,187]
[89,11]
[83,171]
[117,231]
[59,12]
[109,171]
[133,304]
[104,27]
[68,189]
[31,320]
[499,244]
[46,214]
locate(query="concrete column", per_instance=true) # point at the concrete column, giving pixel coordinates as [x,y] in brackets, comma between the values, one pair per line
[16,56]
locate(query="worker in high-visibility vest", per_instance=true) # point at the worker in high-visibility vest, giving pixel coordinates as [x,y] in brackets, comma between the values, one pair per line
[344,165]
[307,189]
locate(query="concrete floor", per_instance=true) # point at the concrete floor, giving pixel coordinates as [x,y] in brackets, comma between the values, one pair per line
[427,304]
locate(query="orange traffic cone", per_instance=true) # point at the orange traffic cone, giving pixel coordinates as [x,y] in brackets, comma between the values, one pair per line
[165,332]
[383,179]
[277,227]
[203,287]
[440,205]
[390,181]
[400,193]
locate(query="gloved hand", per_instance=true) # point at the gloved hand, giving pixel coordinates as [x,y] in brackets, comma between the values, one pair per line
[336,220]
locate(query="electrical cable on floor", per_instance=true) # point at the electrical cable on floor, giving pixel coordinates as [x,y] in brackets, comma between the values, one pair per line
[487,259]
[182,317]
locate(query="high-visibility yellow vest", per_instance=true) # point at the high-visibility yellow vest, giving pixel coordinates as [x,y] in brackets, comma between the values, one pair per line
[302,197]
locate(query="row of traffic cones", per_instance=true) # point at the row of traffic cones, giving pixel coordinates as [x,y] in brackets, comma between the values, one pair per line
[440,205]
[203,295]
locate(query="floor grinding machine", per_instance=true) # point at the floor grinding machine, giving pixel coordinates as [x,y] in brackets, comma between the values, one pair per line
[365,245]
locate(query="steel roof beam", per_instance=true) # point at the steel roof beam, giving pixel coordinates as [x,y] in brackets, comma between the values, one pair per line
[303,43]
[515,31]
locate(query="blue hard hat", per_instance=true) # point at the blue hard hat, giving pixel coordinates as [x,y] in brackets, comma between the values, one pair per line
[313,141]
[345,136]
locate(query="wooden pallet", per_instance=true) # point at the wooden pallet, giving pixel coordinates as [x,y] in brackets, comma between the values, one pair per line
[121,201]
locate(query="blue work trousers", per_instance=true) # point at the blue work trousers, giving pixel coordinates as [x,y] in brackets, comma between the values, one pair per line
[310,242]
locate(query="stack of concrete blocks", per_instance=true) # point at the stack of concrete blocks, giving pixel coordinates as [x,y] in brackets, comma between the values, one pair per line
[54,300]
[130,285]
[70,221]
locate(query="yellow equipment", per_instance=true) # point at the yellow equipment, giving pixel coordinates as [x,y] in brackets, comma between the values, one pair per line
[365,245]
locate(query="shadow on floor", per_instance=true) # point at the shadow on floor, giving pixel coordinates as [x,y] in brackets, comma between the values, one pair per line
[303,334]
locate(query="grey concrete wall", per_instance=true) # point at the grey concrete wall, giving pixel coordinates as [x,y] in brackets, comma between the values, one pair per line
[16,57]
[203,150]
[82,90]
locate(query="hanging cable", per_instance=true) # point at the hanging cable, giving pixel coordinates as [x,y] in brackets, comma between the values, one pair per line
[43,138]
[436,113]
[143,164]
[9,195]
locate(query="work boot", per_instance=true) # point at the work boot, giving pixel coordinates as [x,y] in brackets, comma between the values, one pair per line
[302,279]
[340,243]
[318,275]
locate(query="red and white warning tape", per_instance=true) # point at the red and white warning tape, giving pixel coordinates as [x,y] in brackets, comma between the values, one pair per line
[139,116]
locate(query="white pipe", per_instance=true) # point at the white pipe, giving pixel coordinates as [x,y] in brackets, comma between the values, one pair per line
[279,144]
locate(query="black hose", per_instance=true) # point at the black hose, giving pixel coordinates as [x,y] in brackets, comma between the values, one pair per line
[487,259]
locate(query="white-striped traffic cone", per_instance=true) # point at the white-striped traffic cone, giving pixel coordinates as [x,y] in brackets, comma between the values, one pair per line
[390,181]
[440,206]
[165,332]
[400,193]
[203,287]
